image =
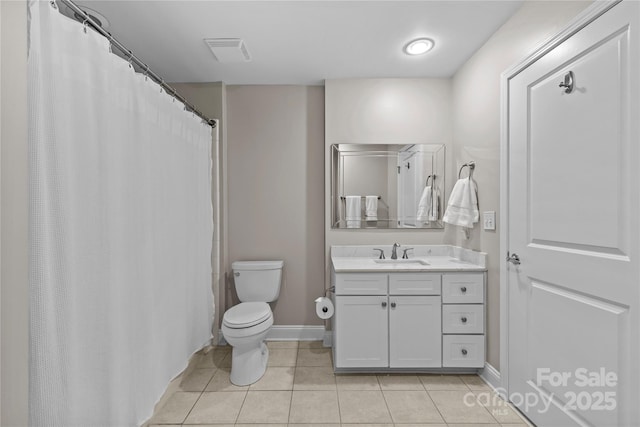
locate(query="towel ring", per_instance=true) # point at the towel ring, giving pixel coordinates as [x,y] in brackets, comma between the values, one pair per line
[471,165]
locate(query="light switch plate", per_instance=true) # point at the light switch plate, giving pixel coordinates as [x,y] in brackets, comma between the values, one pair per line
[489,220]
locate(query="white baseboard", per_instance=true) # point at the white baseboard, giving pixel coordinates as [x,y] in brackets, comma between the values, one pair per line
[296,333]
[491,376]
[291,333]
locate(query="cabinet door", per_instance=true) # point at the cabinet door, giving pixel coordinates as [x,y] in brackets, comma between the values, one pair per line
[361,332]
[415,332]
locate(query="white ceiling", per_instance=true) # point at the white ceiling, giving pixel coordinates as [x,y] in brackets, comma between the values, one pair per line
[302,42]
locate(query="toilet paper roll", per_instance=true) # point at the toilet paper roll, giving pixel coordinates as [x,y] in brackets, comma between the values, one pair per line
[324,308]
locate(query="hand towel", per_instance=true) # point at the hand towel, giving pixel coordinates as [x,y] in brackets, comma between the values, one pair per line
[462,208]
[354,211]
[371,208]
[434,212]
[425,205]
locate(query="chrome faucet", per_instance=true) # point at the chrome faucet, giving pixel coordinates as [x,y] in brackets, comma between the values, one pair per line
[394,254]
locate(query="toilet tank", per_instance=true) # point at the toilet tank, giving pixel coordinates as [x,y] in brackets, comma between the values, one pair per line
[257,281]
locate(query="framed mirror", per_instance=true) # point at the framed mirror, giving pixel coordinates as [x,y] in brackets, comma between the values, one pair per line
[398,186]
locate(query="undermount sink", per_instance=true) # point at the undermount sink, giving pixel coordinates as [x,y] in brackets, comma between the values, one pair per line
[400,261]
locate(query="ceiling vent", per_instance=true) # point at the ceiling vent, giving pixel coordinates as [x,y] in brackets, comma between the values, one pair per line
[228,50]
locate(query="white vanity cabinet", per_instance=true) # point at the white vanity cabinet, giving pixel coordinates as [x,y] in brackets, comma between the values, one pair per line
[463,320]
[408,320]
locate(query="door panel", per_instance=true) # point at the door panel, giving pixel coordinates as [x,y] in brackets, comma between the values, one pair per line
[415,332]
[361,331]
[573,221]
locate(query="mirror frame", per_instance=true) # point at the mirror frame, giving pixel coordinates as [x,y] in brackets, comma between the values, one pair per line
[393,221]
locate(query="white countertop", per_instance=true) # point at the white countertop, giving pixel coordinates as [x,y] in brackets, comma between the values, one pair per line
[361,259]
[435,263]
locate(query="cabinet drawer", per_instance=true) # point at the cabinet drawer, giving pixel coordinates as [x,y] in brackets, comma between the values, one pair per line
[463,351]
[361,284]
[463,318]
[463,288]
[414,284]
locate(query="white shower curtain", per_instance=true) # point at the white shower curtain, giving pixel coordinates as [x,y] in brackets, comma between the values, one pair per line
[121,231]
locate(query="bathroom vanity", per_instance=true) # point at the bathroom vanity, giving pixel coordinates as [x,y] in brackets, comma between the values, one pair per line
[425,313]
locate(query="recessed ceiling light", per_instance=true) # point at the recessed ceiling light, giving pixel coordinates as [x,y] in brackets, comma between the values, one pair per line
[418,46]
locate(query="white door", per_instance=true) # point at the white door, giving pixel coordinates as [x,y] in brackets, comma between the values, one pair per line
[415,333]
[361,332]
[407,203]
[574,165]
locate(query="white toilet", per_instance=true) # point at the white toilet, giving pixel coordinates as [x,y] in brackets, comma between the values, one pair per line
[246,325]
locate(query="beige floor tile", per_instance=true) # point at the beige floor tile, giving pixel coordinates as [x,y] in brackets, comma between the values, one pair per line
[314,378]
[176,409]
[363,406]
[460,406]
[502,411]
[257,425]
[314,407]
[314,357]
[515,425]
[282,344]
[442,382]
[318,425]
[370,425]
[311,344]
[282,357]
[472,425]
[426,425]
[275,378]
[212,359]
[399,382]
[197,379]
[474,382]
[265,407]
[165,425]
[357,382]
[221,382]
[217,408]
[411,407]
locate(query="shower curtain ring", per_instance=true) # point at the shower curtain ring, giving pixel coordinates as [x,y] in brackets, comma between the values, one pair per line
[146,73]
[84,26]
[53,4]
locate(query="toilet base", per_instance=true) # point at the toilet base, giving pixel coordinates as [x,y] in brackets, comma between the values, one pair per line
[248,364]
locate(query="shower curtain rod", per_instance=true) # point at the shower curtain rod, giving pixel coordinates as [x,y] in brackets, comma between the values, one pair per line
[132,58]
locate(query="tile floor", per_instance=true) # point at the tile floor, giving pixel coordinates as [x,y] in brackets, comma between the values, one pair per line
[300,387]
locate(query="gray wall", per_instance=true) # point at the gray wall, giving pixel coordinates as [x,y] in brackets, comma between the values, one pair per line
[276,193]
[476,127]
[14,193]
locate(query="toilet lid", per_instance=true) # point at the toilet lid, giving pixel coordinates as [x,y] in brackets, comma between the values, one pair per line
[246,314]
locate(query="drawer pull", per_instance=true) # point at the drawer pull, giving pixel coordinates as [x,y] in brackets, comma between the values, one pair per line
[463,289]
[384,304]
[393,305]
[464,319]
[464,351]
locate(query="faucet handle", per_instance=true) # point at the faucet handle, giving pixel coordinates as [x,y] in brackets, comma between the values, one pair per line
[404,253]
[381,252]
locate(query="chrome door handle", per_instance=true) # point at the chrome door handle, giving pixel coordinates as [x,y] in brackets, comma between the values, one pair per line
[513,258]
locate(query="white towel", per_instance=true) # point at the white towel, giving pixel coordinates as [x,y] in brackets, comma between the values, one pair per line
[371,208]
[462,208]
[354,211]
[424,206]
[428,206]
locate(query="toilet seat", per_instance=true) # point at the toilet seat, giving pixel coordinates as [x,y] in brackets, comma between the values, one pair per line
[246,315]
